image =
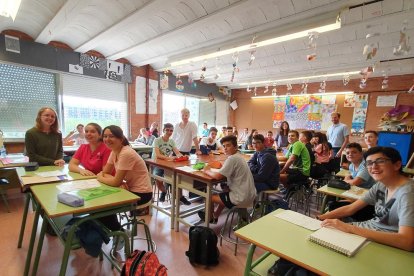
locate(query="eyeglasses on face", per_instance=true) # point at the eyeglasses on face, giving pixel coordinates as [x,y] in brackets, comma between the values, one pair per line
[378,161]
[169,130]
[256,142]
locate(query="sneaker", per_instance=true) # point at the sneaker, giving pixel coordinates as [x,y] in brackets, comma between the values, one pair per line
[202,216]
[118,242]
[185,201]
[162,196]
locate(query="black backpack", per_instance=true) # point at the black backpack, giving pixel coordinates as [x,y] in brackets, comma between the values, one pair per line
[203,246]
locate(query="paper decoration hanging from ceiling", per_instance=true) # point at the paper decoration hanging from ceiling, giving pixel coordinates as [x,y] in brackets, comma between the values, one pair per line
[164,81]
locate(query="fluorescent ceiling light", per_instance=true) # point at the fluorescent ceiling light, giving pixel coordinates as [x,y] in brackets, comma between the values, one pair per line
[9,8]
[305,33]
[301,95]
[299,78]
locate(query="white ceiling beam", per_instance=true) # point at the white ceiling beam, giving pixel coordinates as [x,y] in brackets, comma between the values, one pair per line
[133,18]
[236,38]
[59,21]
[189,26]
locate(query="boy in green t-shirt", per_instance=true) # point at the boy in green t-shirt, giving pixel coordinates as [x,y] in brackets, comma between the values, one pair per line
[298,163]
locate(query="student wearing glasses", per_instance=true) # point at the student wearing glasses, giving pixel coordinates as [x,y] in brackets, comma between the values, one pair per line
[393,198]
[43,142]
[164,149]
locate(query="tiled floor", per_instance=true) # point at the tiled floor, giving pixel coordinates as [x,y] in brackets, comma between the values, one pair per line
[171,249]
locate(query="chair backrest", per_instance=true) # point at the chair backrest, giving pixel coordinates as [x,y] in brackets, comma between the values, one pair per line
[10,174]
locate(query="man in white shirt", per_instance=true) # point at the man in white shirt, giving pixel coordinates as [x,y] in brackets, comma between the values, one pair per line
[185,133]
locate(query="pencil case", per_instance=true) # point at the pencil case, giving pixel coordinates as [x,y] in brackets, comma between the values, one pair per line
[70,199]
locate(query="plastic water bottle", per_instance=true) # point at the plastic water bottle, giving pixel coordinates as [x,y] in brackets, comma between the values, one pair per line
[3,152]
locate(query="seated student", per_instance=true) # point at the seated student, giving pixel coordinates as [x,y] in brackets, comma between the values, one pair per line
[241,191]
[305,137]
[229,131]
[269,141]
[264,165]
[322,151]
[130,172]
[393,198]
[144,137]
[164,149]
[78,137]
[92,156]
[371,138]
[210,142]
[204,131]
[153,130]
[248,144]
[222,133]
[297,167]
[243,136]
[359,177]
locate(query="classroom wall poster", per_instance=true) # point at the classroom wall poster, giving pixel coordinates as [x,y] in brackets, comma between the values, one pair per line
[360,114]
[140,95]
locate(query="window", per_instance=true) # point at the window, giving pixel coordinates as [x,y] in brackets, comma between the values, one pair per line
[201,110]
[88,100]
[23,91]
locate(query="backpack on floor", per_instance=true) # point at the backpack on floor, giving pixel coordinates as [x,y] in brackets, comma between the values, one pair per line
[142,263]
[203,246]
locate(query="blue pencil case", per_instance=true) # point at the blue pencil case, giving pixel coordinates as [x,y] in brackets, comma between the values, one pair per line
[71,200]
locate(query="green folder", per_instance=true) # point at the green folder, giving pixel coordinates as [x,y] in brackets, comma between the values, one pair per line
[96,192]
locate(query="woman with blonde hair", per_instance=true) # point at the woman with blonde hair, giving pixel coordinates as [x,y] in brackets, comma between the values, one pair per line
[43,142]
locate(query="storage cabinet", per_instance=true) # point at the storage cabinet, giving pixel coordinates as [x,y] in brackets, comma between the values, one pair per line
[401,141]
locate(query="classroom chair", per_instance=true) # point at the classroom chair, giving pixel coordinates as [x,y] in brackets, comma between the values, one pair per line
[236,218]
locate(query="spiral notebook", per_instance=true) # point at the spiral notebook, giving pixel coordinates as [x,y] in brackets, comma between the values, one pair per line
[344,243]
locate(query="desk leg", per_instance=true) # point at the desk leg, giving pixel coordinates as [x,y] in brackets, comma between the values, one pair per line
[178,193]
[249,260]
[208,206]
[39,246]
[323,205]
[68,247]
[31,243]
[173,199]
[25,211]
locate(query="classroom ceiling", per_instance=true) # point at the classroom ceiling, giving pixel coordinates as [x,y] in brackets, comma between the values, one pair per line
[159,32]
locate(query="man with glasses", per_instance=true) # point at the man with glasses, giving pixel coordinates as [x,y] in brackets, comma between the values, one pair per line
[393,198]
[264,165]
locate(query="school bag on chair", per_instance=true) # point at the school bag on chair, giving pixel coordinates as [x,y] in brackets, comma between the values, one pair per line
[142,263]
[203,246]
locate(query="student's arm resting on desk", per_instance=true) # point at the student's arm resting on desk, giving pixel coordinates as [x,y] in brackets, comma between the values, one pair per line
[105,176]
[74,167]
[214,175]
[403,239]
[353,181]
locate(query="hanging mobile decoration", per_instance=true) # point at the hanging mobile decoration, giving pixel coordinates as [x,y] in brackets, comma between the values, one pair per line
[190,78]
[288,86]
[363,83]
[384,84]
[248,89]
[217,68]
[346,79]
[235,68]
[266,89]
[322,87]
[252,52]
[313,36]
[217,76]
[203,72]
[255,91]
[370,49]
[403,45]
[179,84]
[274,91]
[304,87]
[411,90]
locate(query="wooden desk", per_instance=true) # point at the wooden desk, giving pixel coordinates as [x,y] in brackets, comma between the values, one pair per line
[352,194]
[290,242]
[48,206]
[28,179]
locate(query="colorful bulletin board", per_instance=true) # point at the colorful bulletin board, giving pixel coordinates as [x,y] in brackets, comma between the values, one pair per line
[313,112]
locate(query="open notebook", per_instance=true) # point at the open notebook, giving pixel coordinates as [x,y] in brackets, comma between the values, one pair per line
[345,243]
